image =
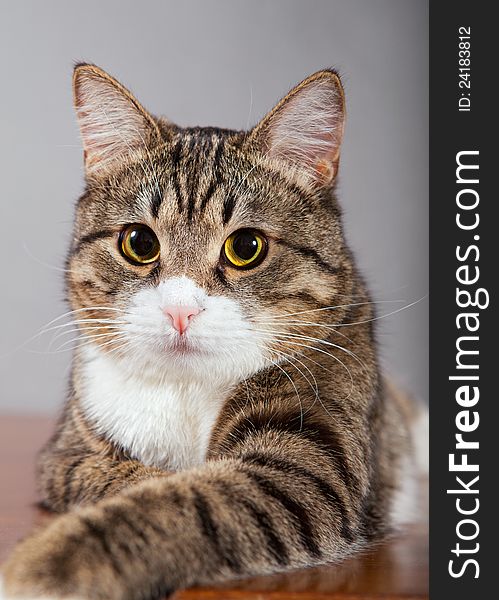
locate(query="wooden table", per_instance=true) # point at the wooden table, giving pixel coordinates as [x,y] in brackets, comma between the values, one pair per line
[395,570]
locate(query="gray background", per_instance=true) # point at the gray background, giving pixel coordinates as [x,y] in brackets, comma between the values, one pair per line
[210,63]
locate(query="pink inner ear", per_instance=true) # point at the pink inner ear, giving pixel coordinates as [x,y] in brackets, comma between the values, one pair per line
[110,123]
[308,128]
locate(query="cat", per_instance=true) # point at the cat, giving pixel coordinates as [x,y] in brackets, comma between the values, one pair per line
[226,415]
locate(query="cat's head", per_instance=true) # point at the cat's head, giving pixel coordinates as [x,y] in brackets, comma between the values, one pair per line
[202,250]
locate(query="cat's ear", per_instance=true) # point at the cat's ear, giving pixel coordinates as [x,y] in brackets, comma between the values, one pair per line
[112,122]
[306,127]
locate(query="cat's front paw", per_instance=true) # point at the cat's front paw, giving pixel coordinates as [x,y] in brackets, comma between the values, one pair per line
[60,562]
[8,595]
[25,595]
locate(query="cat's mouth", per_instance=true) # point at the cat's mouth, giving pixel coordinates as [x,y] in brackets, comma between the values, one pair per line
[183,345]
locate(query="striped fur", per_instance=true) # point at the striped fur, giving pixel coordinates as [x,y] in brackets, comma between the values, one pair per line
[277,445]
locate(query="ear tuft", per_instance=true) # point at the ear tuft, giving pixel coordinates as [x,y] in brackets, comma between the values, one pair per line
[112,122]
[306,127]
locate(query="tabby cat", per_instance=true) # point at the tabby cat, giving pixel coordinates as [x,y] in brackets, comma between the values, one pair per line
[226,414]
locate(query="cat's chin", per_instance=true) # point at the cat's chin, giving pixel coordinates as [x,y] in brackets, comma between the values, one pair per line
[182,360]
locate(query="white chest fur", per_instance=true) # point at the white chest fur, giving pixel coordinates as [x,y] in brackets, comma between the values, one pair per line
[167,424]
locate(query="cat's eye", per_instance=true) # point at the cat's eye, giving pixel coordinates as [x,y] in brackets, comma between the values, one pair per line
[245,249]
[139,244]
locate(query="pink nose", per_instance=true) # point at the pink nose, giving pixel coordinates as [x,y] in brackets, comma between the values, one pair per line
[181,315]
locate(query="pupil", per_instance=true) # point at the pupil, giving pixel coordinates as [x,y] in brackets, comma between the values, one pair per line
[142,242]
[245,246]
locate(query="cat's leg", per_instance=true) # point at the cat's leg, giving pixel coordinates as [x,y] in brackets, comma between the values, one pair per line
[78,467]
[278,505]
[76,479]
